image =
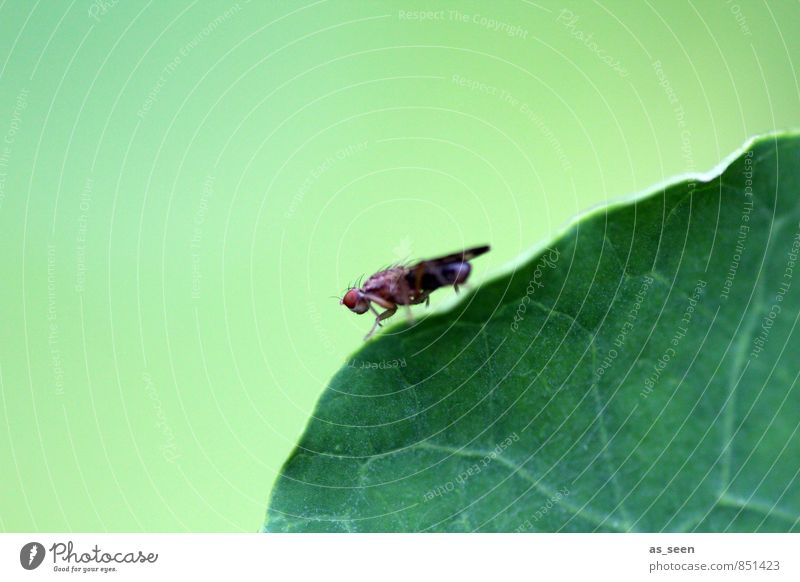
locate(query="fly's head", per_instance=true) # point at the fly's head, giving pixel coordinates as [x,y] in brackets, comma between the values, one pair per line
[355,301]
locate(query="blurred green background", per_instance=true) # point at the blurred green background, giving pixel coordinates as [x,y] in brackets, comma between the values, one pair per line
[184,186]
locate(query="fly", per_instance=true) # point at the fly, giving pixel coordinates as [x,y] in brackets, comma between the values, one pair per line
[409,284]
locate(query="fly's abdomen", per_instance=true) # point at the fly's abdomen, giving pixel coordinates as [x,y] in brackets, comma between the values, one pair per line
[456,273]
[434,276]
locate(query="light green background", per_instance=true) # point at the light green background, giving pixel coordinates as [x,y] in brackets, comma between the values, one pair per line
[183,186]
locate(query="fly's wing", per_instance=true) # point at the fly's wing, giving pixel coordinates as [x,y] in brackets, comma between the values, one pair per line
[460,257]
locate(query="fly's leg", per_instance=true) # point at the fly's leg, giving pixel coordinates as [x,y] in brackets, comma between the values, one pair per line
[380,317]
[387,314]
[409,315]
[386,304]
[410,296]
[424,296]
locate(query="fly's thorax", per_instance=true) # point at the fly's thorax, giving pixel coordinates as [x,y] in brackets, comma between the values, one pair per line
[389,284]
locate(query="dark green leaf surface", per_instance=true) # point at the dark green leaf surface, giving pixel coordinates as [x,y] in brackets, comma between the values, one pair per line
[640,373]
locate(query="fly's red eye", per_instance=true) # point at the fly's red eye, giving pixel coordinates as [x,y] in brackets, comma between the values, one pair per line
[350,298]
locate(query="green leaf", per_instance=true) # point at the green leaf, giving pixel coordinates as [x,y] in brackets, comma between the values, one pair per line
[640,373]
